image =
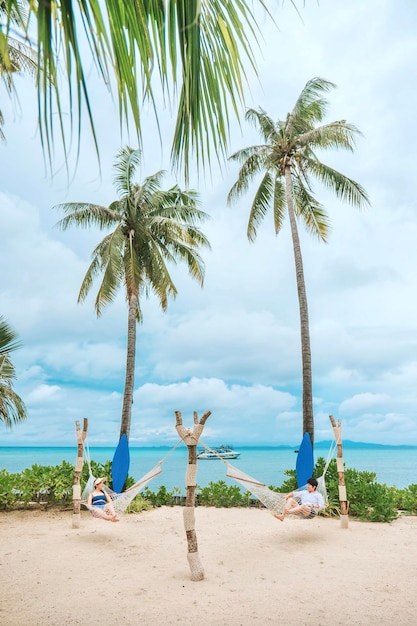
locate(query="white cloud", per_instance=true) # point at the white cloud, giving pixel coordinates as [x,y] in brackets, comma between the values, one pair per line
[43,393]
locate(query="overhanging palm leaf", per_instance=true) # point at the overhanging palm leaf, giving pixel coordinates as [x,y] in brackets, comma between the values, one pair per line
[197,51]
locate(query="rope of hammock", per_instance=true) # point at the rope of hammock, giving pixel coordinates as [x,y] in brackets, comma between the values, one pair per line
[122,500]
[272,500]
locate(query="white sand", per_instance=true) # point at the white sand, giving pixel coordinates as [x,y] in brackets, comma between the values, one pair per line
[257,570]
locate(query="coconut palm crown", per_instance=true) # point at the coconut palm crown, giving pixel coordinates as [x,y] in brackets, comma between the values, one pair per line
[12,407]
[287,163]
[151,228]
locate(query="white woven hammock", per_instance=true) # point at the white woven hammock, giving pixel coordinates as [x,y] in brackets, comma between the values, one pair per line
[122,500]
[272,500]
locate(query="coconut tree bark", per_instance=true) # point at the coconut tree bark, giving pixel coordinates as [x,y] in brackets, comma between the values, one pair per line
[308,416]
[191,438]
[130,367]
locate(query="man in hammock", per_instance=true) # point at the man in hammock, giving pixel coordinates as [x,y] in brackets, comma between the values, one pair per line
[305,503]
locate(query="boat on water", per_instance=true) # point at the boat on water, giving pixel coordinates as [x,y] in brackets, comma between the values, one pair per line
[221,452]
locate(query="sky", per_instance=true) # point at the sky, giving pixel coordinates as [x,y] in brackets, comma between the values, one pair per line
[233,346]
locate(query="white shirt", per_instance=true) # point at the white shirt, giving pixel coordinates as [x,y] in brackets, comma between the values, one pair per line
[310,497]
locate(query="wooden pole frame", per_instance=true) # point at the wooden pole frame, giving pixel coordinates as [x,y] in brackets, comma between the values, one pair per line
[344,504]
[76,488]
[191,438]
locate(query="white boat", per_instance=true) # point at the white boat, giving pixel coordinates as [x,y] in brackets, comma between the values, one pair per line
[221,452]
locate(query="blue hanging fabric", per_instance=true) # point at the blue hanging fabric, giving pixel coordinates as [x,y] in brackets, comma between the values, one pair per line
[305,461]
[120,464]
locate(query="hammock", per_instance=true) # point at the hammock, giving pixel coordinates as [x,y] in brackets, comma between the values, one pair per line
[272,500]
[120,501]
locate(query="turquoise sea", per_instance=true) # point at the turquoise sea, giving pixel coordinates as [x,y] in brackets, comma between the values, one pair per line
[393,465]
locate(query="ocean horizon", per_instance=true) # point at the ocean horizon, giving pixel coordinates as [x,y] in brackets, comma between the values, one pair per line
[393,465]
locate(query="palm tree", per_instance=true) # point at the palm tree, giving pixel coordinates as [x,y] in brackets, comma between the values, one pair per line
[152,227]
[198,51]
[288,162]
[17,56]
[12,407]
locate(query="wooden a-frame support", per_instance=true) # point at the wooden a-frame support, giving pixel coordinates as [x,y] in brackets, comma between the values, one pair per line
[344,504]
[76,488]
[191,438]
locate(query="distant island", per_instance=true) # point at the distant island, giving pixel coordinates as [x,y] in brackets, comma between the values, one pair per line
[361,444]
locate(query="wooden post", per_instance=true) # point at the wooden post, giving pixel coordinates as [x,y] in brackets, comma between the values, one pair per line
[344,505]
[76,488]
[191,438]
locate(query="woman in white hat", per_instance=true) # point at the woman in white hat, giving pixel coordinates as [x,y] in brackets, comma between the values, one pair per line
[101,502]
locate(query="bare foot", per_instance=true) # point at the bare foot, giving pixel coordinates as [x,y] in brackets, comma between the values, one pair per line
[280,517]
[115,519]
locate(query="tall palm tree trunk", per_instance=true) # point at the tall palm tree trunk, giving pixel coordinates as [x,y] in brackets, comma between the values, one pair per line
[308,418]
[130,366]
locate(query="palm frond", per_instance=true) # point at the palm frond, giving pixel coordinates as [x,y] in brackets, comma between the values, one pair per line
[85,215]
[111,268]
[310,104]
[12,407]
[261,203]
[345,188]
[106,262]
[126,162]
[264,123]
[215,47]
[8,338]
[337,135]
[279,205]
[311,211]
[199,51]
[254,164]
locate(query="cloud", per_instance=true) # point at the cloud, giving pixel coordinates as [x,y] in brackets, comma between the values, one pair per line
[43,393]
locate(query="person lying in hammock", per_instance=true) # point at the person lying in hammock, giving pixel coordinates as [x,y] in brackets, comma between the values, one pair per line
[101,502]
[305,503]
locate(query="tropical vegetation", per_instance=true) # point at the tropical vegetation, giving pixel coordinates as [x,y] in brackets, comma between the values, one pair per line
[287,162]
[152,228]
[51,486]
[12,407]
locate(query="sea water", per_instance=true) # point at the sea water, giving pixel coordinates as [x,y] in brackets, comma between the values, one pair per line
[393,465]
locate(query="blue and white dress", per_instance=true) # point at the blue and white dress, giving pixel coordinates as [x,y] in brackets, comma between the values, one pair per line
[99,500]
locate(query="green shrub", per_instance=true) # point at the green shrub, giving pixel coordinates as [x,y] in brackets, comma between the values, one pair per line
[221,495]
[139,504]
[162,497]
[368,500]
[406,499]
[9,494]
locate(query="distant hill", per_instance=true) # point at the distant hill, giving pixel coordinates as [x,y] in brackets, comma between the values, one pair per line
[361,444]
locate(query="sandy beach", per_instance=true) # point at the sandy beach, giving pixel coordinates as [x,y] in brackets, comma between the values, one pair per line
[257,570]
